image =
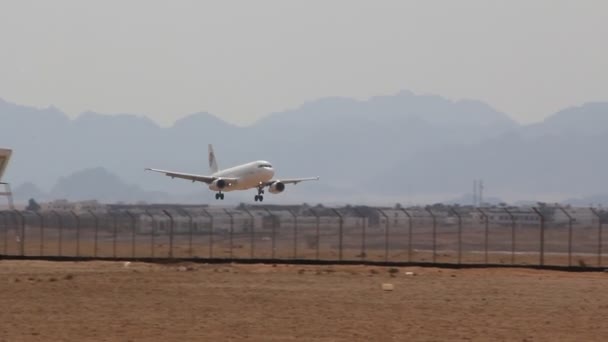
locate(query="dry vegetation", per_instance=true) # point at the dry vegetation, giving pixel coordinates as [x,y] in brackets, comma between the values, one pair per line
[106,301]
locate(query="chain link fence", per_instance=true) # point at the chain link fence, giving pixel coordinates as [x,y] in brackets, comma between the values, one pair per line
[535,236]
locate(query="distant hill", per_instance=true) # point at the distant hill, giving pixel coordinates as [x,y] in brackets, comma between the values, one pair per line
[566,155]
[388,146]
[25,191]
[98,183]
[593,200]
[590,119]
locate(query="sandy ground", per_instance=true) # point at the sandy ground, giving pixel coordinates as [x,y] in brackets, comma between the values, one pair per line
[106,301]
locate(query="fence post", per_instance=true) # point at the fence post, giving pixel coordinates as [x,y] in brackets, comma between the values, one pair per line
[340,233]
[513,225]
[21,233]
[170,233]
[210,232]
[133,227]
[542,236]
[570,221]
[77,218]
[434,218]
[317,232]
[455,212]
[274,231]
[152,233]
[190,230]
[60,222]
[251,233]
[363,234]
[295,233]
[486,233]
[41,226]
[230,237]
[114,233]
[5,237]
[95,233]
[409,234]
[599,236]
[386,233]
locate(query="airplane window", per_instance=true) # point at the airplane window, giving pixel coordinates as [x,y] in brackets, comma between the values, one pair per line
[265,165]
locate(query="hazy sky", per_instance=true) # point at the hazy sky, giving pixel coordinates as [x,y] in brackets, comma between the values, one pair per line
[243,59]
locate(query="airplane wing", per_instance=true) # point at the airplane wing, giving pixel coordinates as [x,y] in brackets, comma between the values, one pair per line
[292,180]
[192,177]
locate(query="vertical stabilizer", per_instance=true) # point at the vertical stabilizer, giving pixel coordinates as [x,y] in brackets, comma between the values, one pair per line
[212,162]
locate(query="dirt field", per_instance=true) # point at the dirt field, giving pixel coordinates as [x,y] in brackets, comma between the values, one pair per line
[106,301]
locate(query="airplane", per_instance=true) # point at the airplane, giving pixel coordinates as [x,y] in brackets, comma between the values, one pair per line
[254,175]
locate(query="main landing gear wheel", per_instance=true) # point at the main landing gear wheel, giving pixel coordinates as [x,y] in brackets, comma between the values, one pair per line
[219,196]
[259,196]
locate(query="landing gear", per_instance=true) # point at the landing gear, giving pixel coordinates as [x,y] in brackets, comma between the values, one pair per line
[259,196]
[219,196]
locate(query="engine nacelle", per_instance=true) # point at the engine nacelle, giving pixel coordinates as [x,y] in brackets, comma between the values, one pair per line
[276,187]
[218,184]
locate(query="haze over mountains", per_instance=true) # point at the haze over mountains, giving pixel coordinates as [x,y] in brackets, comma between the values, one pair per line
[403,147]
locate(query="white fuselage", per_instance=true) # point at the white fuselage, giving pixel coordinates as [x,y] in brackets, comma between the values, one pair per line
[250,175]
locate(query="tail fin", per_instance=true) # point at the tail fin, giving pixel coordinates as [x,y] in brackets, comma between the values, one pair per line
[212,162]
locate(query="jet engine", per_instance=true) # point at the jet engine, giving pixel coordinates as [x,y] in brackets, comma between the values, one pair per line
[276,187]
[218,184]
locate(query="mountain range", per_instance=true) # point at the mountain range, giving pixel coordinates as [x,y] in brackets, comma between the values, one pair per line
[389,148]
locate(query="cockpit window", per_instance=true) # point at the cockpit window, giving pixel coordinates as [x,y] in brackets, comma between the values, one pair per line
[265,165]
